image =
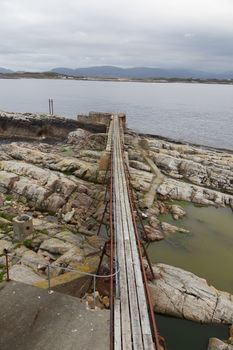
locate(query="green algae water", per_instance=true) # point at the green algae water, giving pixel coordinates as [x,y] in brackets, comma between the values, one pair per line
[205,251]
[186,335]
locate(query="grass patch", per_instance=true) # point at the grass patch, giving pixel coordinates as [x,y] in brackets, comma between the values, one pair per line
[18,245]
[67,152]
[22,200]
[166,217]
[2,273]
[27,243]
[68,172]
[8,198]
[44,231]
[6,228]
[7,216]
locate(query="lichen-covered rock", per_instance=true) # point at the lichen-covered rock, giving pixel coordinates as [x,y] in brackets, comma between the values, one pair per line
[56,246]
[7,180]
[78,136]
[70,237]
[33,260]
[74,255]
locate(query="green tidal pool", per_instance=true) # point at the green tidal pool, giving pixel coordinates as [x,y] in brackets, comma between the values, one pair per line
[206,251]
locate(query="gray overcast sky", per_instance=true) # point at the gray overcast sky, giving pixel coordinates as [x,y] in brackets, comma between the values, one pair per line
[42,34]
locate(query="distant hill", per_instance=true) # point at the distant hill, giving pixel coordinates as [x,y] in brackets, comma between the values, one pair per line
[108,72]
[140,73]
[5,70]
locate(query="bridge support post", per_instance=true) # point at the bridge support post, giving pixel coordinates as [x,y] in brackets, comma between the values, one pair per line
[104,161]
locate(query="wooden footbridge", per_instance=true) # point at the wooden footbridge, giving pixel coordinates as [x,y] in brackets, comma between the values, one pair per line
[133,325]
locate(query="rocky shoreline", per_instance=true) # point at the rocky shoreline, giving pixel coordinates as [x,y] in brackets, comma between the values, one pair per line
[60,185]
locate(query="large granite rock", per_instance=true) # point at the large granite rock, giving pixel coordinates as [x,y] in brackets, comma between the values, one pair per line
[7,180]
[171,229]
[44,185]
[77,137]
[33,260]
[67,236]
[179,293]
[74,255]
[178,190]
[25,274]
[190,173]
[216,344]
[82,168]
[5,245]
[56,246]
[206,174]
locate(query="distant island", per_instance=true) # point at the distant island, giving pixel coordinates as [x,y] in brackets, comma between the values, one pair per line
[111,73]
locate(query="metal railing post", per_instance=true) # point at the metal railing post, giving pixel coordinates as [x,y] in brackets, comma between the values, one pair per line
[94,282]
[49,282]
[7,265]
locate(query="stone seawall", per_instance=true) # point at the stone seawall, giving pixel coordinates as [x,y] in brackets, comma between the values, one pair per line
[37,126]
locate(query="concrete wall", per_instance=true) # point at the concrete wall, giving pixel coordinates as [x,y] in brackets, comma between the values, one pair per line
[96,118]
[100,118]
[48,128]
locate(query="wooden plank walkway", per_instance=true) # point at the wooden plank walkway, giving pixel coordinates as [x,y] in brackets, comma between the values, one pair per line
[132,329]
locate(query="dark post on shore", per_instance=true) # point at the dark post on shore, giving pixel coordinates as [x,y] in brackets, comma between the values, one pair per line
[50,106]
[7,265]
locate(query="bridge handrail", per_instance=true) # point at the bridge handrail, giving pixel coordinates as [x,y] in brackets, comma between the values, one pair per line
[71,269]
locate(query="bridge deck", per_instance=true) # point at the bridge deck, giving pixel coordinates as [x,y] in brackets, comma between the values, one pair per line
[132,328]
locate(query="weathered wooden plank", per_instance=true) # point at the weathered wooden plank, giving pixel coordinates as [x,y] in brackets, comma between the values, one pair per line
[123,285]
[145,323]
[144,317]
[117,325]
[109,140]
[134,320]
[133,302]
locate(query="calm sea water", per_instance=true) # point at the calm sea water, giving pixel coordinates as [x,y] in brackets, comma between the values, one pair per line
[198,113]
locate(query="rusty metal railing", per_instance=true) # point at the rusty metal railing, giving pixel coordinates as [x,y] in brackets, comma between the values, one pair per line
[50,267]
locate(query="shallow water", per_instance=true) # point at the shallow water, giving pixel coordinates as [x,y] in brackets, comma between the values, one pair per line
[205,251]
[187,335]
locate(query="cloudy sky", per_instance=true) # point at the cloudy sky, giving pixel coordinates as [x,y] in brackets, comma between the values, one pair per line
[40,35]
